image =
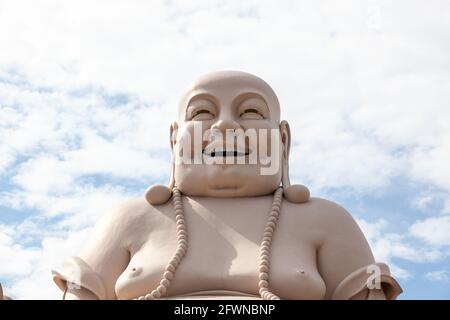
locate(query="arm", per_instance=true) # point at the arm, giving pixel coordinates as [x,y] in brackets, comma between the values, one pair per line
[346,262]
[94,272]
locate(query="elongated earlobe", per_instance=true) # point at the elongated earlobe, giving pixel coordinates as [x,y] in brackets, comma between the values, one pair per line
[296,193]
[159,194]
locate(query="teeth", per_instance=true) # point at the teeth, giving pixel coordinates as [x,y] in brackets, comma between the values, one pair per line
[225,153]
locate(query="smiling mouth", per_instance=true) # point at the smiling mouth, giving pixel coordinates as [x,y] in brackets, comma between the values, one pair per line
[226,153]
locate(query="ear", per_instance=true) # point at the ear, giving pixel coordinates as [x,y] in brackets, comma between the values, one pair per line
[173,134]
[296,193]
[285,133]
[160,194]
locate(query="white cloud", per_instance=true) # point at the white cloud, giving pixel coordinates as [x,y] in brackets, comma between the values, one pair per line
[14,258]
[79,208]
[387,246]
[435,231]
[432,164]
[30,249]
[438,275]
[427,200]
[32,278]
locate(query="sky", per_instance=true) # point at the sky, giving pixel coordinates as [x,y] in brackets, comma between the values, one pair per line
[88,90]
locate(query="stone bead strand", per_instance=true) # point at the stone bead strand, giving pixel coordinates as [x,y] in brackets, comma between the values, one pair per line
[182,245]
[264,250]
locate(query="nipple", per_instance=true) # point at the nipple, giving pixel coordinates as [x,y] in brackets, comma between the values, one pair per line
[135,272]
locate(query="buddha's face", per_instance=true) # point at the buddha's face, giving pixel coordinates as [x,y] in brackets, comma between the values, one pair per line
[227,141]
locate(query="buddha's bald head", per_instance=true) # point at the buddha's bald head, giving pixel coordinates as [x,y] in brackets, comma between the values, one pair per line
[226,89]
[229,141]
[229,136]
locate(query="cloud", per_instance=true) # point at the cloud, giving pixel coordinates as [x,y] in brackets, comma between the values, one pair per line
[15,259]
[434,230]
[32,277]
[438,275]
[392,248]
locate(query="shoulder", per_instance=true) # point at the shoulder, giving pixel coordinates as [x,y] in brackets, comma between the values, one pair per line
[320,209]
[129,215]
[127,224]
[124,213]
[324,215]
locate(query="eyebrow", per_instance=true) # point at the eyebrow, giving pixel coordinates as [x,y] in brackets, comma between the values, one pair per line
[198,96]
[238,99]
[248,95]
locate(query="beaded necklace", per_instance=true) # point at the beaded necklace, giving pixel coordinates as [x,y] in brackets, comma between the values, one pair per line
[182,245]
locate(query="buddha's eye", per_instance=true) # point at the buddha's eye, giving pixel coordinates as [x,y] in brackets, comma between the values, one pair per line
[202,114]
[251,114]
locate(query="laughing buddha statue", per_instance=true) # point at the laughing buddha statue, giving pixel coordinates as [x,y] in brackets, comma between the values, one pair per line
[226,227]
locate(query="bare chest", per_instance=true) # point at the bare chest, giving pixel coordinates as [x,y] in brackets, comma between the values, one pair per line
[223,254]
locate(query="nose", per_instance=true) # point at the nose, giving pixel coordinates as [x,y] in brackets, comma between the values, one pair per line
[224,124]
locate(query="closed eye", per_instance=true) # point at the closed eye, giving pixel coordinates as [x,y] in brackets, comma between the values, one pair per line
[201,111]
[251,114]
[202,114]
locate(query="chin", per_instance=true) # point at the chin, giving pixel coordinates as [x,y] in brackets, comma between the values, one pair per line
[226,192]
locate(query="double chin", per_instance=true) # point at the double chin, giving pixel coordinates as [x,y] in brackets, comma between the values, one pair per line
[224,180]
